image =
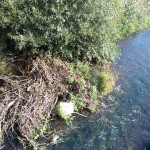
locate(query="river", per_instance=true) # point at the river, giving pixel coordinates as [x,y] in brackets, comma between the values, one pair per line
[123,120]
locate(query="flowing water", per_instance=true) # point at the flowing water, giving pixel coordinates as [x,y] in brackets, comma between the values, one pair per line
[123,121]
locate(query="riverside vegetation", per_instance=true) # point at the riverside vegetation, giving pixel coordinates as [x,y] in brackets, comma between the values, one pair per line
[59,51]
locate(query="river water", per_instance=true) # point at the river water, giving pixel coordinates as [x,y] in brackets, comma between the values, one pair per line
[123,121]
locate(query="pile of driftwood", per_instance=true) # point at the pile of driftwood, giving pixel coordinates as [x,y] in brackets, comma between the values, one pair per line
[27,102]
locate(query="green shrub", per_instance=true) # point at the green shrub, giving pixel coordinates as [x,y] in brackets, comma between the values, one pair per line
[79,29]
[135,16]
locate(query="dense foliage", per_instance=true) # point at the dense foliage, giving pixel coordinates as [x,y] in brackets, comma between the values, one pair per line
[72,29]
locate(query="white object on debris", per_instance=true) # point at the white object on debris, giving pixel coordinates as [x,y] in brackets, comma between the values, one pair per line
[67,108]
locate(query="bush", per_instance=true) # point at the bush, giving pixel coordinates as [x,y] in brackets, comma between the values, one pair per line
[82,29]
[136,16]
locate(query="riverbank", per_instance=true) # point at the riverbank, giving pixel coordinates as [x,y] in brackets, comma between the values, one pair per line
[42,68]
[44,84]
[123,120]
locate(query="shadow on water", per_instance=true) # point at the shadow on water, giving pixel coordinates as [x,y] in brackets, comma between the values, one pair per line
[123,121]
